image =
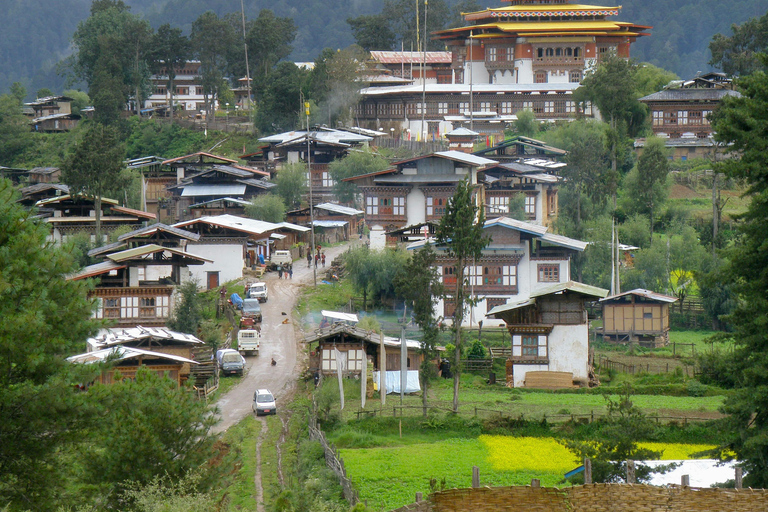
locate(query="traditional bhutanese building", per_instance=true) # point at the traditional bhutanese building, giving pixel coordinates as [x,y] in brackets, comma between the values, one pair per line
[529,55]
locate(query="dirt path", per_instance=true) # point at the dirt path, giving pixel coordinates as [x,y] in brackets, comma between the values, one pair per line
[281,340]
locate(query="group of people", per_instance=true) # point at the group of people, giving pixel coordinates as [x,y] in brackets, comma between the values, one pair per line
[319,259]
[286,271]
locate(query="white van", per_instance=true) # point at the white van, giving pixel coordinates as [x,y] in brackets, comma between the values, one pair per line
[282,257]
[258,291]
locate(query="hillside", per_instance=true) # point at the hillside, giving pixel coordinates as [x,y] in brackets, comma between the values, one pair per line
[36,33]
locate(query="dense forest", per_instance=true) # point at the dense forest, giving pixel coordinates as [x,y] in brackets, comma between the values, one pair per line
[37,33]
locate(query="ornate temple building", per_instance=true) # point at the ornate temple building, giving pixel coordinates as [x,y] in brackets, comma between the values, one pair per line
[528,55]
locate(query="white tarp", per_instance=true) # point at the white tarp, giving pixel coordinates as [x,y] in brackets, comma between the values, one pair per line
[701,472]
[341,366]
[392,380]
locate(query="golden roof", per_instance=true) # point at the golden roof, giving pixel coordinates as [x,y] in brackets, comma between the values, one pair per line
[598,27]
[533,10]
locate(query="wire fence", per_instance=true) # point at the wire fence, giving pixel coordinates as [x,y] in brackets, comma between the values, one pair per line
[606,364]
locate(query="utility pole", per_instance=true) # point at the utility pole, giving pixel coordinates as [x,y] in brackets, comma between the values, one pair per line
[423,76]
[311,201]
[471,106]
[245,45]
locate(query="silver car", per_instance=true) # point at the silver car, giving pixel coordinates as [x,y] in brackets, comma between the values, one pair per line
[263,402]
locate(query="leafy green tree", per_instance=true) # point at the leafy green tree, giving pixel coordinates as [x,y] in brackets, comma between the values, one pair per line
[166,494]
[516,209]
[269,41]
[278,109]
[170,51]
[334,84]
[187,314]
[371,32]
[358,266]
[96,166]
[743,123]
[266,207]
[80,100]
[401,19]
[169,424]
[418,283]
[617,441]
[45,318]
[211,39]
[526,123]
[611,88]
[18,92]
[292,183]
[44,93]
[354,163]
[150,137]
[652,170]
[650,79]
[138,39]
[738,54]
[461,232]
[14,131]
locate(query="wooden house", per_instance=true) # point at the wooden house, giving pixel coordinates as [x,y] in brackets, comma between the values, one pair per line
[158,234]
[356,344]
[136,286]
[322,145]
[69,215]
[519,147]
[230,243]
[53,114]
[217,183]
[163,351]
[550,336]
[521,259]
[637,316]
[414,191]
[31,194]
[334,222]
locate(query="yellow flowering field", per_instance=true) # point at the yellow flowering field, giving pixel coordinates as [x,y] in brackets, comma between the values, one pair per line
[389,477]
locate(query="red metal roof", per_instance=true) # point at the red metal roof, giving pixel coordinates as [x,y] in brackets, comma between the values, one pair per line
[131,211]
[390,57]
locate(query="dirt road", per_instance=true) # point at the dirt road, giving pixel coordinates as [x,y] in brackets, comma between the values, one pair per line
[279,340]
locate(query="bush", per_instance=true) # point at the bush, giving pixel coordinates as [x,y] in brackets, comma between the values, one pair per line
[477,350]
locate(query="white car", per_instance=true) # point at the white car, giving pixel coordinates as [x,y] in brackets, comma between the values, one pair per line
[263,402]
[258,291]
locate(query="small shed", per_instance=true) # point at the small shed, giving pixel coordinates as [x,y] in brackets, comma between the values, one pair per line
[637,316]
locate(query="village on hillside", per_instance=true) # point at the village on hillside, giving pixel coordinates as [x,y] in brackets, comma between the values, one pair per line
[508,267]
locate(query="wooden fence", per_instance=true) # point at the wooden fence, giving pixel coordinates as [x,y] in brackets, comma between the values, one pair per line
[468,410]
[607,364]
[334,462]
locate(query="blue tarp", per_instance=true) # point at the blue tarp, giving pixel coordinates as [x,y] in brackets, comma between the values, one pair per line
[236,300]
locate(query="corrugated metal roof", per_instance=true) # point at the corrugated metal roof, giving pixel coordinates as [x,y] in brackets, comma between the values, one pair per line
[293,227]
[527,227]
[463,131]
[693,94]
[123,353]
[337,208]
[337,315]
[466,158]
[570,286]
[420,178]
[510,306]
[219,189]
[394,57]
[131,211]
[245,225]
[564,241]
[374,338]
[154,228]
[640,292]
[198,155]
[277,236]
[565,87]
[145,250]
[324,135]
[95,270]
[104,249]
[224,199]
[330,223]
[111,337]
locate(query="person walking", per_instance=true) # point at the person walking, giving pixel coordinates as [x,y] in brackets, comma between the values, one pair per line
[317,259]
[309,259]
[279,271]
[290,271]
[323,258]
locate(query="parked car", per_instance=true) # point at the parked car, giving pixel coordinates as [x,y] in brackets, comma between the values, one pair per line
[230,361]
[263,402]
[258,291]
[252,309]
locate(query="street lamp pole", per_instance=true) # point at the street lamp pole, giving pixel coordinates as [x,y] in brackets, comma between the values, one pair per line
[311,201]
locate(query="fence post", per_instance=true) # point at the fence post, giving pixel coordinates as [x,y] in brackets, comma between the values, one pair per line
[630,471]
[475,477]
[685,481]
[587,471]
[739,475]
[418,497]
[535,483]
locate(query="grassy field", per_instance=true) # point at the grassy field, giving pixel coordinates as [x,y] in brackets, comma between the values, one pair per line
[389,477]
